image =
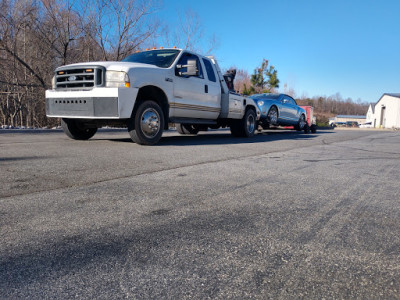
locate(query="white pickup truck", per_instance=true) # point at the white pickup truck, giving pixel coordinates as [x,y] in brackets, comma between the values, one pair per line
[145,92]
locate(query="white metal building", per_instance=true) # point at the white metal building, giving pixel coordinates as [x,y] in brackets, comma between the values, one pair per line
[387,112]
[370,114]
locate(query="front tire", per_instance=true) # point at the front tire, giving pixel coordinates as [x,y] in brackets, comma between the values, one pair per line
[272,116]
[75,130]
[146,125]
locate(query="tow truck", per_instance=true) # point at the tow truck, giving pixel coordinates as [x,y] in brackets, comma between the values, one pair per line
[145,92]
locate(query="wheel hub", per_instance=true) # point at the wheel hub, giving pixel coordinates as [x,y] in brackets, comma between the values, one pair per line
[150,123]
[302,122]
[273,116]
[250,123]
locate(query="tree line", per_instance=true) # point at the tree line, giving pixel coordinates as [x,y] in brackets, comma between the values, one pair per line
[327,107]
[36,36]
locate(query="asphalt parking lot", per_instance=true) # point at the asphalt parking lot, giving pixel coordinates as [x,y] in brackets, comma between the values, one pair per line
[280,216]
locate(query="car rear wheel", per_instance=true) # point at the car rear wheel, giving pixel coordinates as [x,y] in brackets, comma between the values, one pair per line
[302,122]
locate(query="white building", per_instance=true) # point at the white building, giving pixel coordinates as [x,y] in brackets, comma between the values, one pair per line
[386,112]
[370,114]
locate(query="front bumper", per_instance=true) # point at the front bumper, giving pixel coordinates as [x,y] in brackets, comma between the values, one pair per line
[97,103]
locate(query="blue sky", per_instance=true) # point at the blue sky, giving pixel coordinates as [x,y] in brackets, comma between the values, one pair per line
[318,47]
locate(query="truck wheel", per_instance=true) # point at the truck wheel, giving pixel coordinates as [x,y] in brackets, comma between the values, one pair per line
[306,128]
[146,125]
[246,126]
[187,129]
[74,129]
[313,128]
[300,125]
[272,116]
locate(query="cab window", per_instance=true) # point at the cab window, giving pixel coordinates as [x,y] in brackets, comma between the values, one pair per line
[209,70]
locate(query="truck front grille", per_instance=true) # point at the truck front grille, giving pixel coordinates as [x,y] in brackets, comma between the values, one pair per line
[79,77]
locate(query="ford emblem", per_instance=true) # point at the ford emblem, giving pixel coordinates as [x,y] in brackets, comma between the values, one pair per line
[72,78]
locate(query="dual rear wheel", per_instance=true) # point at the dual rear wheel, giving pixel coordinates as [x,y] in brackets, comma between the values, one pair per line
[246,126]
[188,128]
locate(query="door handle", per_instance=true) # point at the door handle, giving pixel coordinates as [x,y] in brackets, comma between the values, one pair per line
[206,88]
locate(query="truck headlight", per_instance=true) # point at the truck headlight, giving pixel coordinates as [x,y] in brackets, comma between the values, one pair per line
[260,103]
[117,79]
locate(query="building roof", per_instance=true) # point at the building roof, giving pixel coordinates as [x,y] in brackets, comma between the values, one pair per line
[351,116]
[395,95]
[372,108]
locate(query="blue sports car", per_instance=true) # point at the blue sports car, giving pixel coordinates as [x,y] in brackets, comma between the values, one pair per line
[280,110]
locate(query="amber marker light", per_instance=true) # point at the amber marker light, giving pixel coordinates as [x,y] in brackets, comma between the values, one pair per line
[89,70]
[161,47]
[61,73]
[127,84]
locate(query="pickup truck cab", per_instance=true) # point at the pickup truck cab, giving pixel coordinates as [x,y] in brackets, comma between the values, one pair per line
[146,91]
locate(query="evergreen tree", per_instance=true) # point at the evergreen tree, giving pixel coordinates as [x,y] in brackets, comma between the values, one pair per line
[259,82]
[257,79]
[273,81]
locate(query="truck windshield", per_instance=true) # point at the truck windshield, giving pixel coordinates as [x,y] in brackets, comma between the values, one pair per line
[160,58]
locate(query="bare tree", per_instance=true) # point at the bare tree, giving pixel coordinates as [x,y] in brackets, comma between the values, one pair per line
[190,30]
[61,28]
[38,36]
[188,33]
[242,81]
[119,27]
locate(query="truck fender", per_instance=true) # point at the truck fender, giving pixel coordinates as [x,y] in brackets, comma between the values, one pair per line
[154,93]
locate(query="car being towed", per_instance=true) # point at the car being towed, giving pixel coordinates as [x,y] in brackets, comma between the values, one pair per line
[280,110]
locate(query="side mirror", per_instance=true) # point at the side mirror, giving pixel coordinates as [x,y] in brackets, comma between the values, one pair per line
[191,68]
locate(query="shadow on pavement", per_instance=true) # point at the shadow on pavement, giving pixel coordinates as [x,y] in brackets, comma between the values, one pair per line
[225,138]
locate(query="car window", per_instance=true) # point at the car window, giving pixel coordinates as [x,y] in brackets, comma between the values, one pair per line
[209,70]
[183,61]
[290,100]
[293,101]
[265,96]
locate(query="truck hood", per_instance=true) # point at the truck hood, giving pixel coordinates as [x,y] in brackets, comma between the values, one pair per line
[111,65]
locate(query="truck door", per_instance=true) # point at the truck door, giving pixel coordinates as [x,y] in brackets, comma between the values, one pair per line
[214,87]
[194,96]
